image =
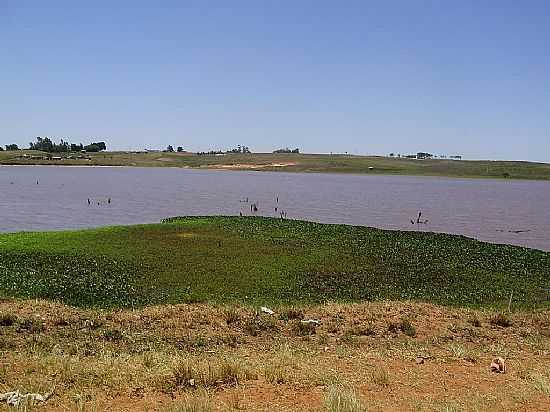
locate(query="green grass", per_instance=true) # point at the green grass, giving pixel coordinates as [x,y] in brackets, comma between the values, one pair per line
[265,261]
[308,163]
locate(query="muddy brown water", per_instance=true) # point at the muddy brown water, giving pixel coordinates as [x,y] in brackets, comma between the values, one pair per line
[35,198]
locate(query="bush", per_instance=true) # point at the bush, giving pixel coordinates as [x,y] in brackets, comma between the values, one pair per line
[501,319]
[404,326]
[291,313]
[31,325]
[474,321]
[7,319]
[300,328]
[259,324]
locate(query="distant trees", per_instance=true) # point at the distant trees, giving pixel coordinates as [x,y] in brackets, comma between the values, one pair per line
[287,150]
[95,147]
[12,147]
[240,149]
[169,149]
[45,144]
[180,149]
[1,149]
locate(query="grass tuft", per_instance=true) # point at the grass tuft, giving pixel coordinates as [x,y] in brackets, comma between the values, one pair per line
[341,399]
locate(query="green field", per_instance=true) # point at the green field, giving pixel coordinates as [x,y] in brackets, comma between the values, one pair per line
[304,163]
[265,261]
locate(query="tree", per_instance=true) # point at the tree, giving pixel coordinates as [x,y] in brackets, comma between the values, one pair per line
[92,148]
[180,149]
[170,148]
[1,149]
[12,147]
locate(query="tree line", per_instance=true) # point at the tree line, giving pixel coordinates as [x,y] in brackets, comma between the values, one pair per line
[287,150]
[45,144]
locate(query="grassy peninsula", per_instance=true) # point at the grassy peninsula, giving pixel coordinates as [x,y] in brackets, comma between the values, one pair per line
[265,261]
[325,163]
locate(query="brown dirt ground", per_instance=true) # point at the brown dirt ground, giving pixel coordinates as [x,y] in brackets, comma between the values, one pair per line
[129,360]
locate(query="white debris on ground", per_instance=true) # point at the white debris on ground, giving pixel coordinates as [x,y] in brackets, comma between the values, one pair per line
[17,398]
[314,322]
[267,310]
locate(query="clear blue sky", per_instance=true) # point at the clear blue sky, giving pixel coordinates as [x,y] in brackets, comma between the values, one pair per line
[367,77]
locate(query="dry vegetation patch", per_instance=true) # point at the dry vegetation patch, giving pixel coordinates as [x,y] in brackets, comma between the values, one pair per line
[204,357]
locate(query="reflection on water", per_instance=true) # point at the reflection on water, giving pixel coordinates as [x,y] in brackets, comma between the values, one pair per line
[46,198]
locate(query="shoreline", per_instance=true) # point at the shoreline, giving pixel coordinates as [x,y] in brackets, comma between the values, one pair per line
[282,169]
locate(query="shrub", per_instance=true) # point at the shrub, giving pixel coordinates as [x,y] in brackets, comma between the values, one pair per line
[231,315]
[300,328]
[501,319]
[404,326]
[380,376]
[291,313]
[113,335]
[31,325]
[7,319]
[259,324]
[407,328]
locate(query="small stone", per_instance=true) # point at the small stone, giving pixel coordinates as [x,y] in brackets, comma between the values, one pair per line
[419,361]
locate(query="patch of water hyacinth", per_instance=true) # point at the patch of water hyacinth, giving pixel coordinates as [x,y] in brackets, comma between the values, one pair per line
[74,280]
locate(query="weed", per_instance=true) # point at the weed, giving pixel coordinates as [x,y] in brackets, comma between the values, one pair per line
[31,326]
[300,328]
[404,326]
[362,330]
[501,319]
[231,316]
[112,335]
[407,328]
[474,321]
[541,382]
[7,319]
[341,399]
[291,313]
[197,403]
[275,374]
[259,324]
[193,373]
[380,376]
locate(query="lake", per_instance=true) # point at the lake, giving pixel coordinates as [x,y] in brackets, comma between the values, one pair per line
[35,198]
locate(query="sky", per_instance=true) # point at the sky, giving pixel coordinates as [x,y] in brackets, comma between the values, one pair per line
[365,77]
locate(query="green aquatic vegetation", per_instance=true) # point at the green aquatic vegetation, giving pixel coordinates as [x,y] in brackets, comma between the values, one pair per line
[74,280]
[263,261]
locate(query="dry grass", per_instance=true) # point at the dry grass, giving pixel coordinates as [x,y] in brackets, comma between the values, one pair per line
[341,399]
[201,357]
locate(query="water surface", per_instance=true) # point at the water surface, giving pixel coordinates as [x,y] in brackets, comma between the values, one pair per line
[36,198]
